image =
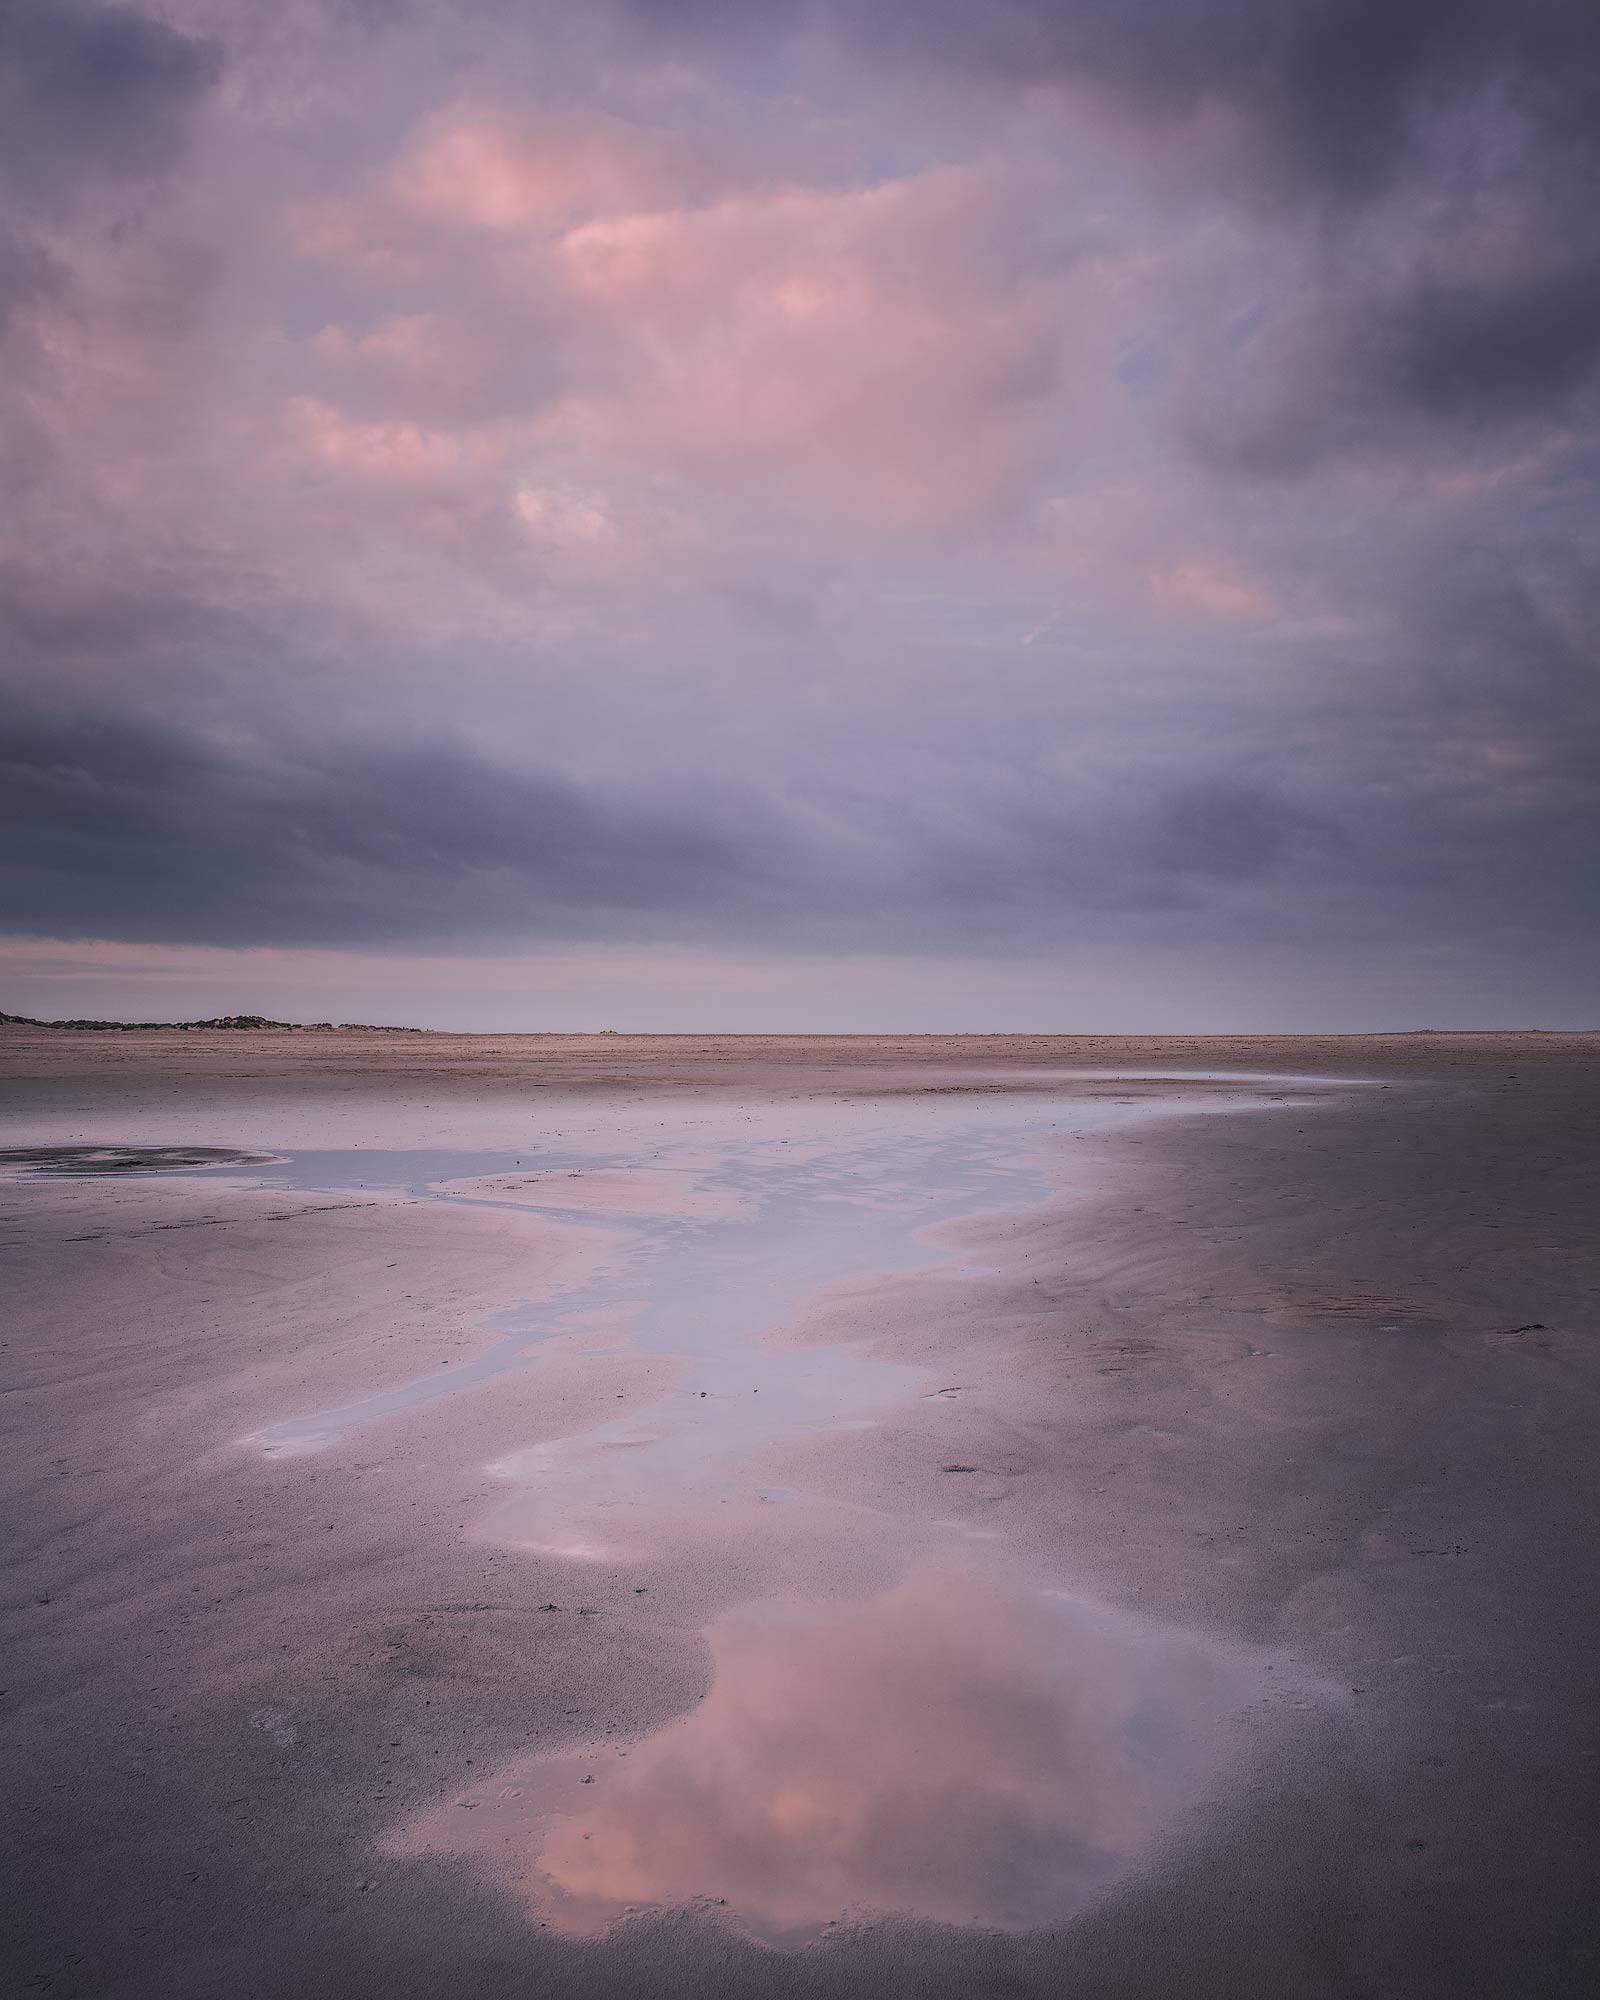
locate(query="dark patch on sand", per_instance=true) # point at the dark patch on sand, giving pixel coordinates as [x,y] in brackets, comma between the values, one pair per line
[98,1160]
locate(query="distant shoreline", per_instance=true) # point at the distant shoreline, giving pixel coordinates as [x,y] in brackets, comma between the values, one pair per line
[254,1024]
[261,1024]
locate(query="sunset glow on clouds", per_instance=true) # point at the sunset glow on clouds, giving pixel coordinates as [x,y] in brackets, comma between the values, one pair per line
[1057,486]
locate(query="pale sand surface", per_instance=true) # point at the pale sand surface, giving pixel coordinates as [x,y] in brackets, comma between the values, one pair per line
[1162,1564]
[104,1069]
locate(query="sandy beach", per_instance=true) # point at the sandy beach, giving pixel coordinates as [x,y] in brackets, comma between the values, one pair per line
[775,1516]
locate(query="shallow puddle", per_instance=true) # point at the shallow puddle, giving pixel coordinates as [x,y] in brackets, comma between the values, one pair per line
[733,1222]
[965,1748]
[724,1222]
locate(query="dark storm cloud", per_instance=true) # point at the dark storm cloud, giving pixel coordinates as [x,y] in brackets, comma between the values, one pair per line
[96,104]
[1328,93]
[1473,792]
[1460,349]
[129,827]
[1453,148]
[1230,831]
[1436,354]
[1505,644]
[27,271]
[92,93]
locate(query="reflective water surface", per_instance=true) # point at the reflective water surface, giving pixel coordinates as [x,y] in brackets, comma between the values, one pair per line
[964,1747]
[721,1226]
[965,1742]
[722,1221]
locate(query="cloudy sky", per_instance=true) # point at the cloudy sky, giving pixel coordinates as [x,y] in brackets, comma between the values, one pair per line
[842,514]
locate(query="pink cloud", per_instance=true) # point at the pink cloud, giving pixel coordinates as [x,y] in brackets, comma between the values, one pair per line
[470,173]
[392,453]
[1211,589]
[480,169]
[410,342]
[359,233]
[1142,544]
[427,364]
[900,347]
[876,342]
[960,1747]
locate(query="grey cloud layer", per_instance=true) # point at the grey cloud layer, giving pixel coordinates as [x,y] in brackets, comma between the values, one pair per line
[128,829]
[138,829]
[484,558]
[1329,95]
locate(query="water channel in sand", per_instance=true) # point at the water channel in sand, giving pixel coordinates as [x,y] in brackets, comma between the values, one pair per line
[960,1741]
[721,1225]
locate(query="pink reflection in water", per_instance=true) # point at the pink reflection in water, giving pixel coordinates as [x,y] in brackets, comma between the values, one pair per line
[961,1748]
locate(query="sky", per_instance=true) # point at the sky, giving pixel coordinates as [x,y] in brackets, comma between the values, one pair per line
[698,514]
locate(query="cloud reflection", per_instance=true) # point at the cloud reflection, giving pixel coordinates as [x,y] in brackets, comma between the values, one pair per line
[959,1748]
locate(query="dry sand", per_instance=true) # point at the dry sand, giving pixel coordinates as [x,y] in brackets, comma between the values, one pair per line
[1263,1433]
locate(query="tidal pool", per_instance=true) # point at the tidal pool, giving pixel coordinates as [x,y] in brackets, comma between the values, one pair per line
[966,1747]
[721,1224]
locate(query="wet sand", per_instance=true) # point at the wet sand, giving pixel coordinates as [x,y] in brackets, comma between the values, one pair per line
[988,1515]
